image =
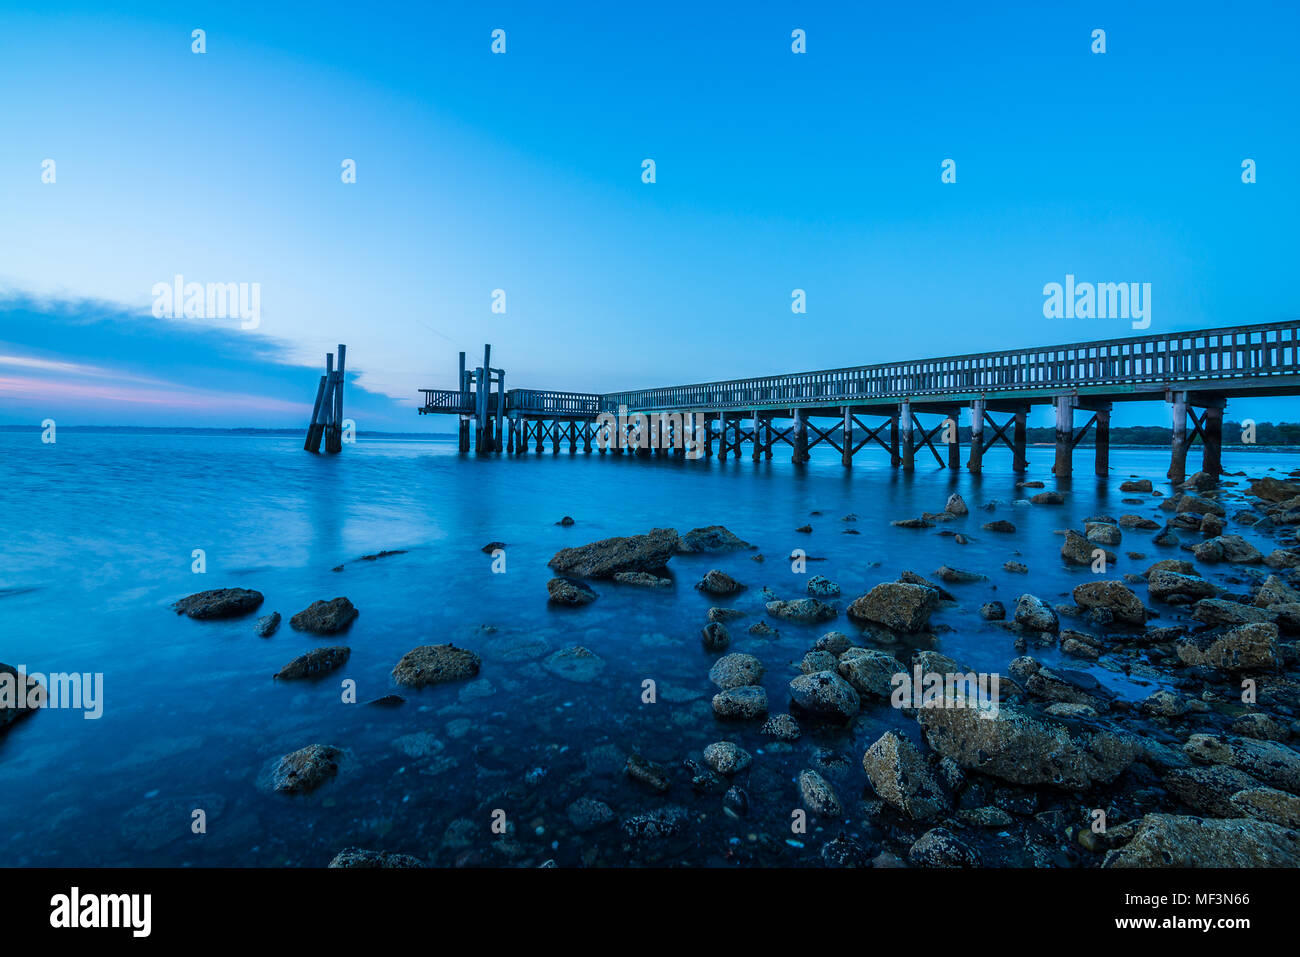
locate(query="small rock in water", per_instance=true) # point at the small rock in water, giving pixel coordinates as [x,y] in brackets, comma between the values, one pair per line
[726,757]
[818,796]
[993,611]
[219,603]
[267,625]
[313,663]
[491,547]
[736,670]
[435,664]
[715,636]
[645,772]
[741,703]
[782,727]
[717,582]
[939,847]
[566,521]
[566,591]
[819,586]
[575,664]
[307,768]
[355,857]
[325,617]
[388,701]
[956,505]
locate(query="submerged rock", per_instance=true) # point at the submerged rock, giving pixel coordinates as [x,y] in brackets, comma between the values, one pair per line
[306,769]
[741,703]
[782,727]
[607,557]
[567,591]
[939,847]
[725,757]
[314,663]
[647,773]
[356,857]
[435,664]
[18,702]
[712,538]
[819,586]
[325,617]
[575,664]
[715,636]
[642,579]
[219,603]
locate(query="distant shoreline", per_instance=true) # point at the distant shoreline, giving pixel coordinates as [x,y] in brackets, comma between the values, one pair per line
[1284,435]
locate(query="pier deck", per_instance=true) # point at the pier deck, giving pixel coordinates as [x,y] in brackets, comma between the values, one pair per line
[1197,370]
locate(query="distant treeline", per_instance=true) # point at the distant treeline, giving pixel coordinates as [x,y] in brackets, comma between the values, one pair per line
[1266,433]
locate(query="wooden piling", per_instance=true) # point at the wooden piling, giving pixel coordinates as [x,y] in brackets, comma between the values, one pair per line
[1102,439]
[758,437]
[846,439]
[954,446]
[905,430]
[1178,443]
[1064,465]
[894,458]
[976,463]
[1018,461]
[312,444]
[800,438]
[1212,441]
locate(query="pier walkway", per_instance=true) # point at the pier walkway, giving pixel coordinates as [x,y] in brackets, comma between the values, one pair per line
[1195,372]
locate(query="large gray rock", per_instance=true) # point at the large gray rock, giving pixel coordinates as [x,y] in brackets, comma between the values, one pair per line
[1251,647]
[818,796]
[825,695]
[603,559]
[736,670]
[899,606]
[1270,761]
[435,664]
[314,663]
[1016,746]
[1164,584]
[1221,611]
[1034,613]
[870,672]
[807,611]
[325,617]
[306,769]
[1114,597]
[1173,840]
[741,704]
[900,774]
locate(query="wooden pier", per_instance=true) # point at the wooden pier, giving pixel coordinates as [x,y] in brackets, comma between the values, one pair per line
[905,408]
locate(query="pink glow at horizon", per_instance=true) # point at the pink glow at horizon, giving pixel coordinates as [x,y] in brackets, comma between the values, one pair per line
[175,397]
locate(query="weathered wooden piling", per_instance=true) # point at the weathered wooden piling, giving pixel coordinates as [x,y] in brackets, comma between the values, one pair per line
[905,423]
[327,411]
[976,462]
[1064,465]
[1212,440]
[1178,445]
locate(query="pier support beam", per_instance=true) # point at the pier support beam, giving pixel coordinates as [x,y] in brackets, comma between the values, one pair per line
[846,439]
[905,431]
[800,438]
[952,430]
[976,463]
[758,437]
[894,458]
[1178,445]
[1018,461]
[1102,438]
[1212,441]
[1064,405]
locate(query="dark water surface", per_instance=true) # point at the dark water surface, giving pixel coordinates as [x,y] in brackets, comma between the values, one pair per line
[98,535]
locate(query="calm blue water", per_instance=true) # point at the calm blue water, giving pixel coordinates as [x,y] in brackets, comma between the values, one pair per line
[98,535]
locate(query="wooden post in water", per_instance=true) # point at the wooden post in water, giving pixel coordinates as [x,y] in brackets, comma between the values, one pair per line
[800,438]
[501,406]
[1018,461]
[1064,465]
[846,439]
[1102,439]
[758,437]
[954,444]
[1212,440]
[324,409]
[976,463]
[894,458]
[905,427]
[334,429]
[312,444]
[464,401]
[1178,446]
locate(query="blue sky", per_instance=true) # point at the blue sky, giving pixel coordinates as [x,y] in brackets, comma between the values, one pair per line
[522,172]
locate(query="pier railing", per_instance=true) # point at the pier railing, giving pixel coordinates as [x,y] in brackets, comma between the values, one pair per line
[1178,357]
[449,400]
[541,402]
